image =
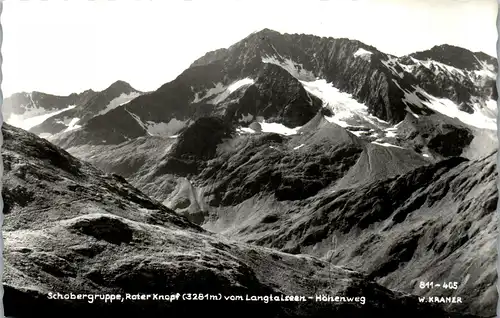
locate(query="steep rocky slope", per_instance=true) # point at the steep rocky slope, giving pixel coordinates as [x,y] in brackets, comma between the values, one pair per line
[69,228]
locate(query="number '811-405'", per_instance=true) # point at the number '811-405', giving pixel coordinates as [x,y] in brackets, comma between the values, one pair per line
[445,285]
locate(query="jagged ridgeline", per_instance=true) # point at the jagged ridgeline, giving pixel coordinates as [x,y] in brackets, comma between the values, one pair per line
[284,164]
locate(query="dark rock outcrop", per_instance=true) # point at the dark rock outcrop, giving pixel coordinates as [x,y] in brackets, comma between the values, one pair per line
[442,136]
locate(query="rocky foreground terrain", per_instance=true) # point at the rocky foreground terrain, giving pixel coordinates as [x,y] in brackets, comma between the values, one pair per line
[71,228]
[276,164]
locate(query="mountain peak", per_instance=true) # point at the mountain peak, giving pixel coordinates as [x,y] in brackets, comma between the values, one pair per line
[454,56]
[267,31]
[121,86]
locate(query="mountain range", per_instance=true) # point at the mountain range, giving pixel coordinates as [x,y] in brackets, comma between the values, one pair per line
[314,149]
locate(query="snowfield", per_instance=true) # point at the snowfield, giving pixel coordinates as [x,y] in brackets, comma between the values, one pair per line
[220,93]
[347,111]
[119,101]
[271,128]
[166,129]
[278,129]
[72,124]
[162,129]
[482,117]
[33,117]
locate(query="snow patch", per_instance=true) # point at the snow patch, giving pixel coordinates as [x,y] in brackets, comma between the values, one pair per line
[358,133]
[411,112]
[239,84]
[298,147]
[484,143]
[346,110]
[333,119]
[65,121]
[391,65]
[278,129]
[487,70]
[482,117]
[245,130]
[166,129]
[412,97]
[492,105]
[72,124]
[219,88]
[119,101]
[363,54]
[219,93]
[295,69]
[270,128]
[247,118]
[33,117]
[385,144]
[231,89]
[391,132]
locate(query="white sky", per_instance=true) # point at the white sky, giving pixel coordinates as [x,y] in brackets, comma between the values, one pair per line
[61,47]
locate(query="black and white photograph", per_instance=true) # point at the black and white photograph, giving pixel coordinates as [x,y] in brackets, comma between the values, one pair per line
[320,158]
